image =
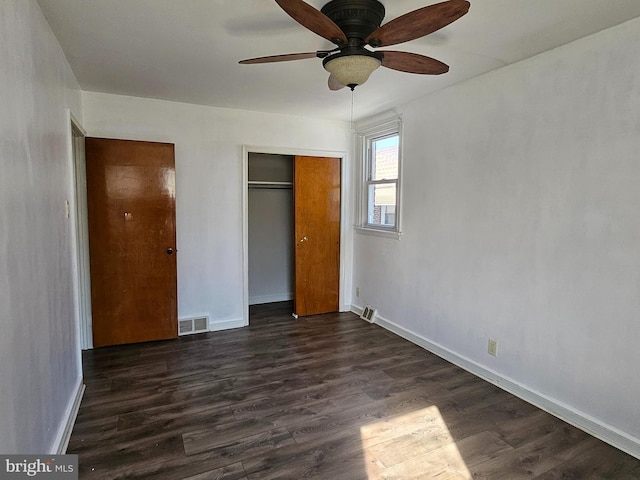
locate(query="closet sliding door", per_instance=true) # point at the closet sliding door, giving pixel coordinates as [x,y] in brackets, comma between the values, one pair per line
[317,230]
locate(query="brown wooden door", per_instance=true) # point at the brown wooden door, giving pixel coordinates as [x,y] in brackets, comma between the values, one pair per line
[317,235]
[132,237]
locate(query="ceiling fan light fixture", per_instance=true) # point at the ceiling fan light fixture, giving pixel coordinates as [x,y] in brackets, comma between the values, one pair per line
[351,69]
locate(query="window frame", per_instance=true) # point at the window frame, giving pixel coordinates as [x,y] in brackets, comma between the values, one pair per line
[368,135]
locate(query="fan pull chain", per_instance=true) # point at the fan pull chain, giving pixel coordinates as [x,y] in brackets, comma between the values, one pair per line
[353,129]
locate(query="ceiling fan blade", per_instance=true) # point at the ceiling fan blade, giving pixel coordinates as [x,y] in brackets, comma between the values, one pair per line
[334,84]
[279,58]
[418,23]
[314,20]
[412,63]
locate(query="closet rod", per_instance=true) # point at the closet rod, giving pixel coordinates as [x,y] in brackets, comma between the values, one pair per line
[259,184]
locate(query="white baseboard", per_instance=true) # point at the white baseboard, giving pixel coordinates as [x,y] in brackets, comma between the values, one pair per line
[66,427]
[217,325]
[356,309]
[567,413]
[280,297]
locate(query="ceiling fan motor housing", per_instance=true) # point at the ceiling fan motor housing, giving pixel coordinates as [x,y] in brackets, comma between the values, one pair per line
[356,18]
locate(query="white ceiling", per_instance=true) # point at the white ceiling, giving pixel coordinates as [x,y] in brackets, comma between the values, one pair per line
[188,50]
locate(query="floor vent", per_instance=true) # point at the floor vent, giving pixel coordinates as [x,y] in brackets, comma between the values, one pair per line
[188,326]
[369,314]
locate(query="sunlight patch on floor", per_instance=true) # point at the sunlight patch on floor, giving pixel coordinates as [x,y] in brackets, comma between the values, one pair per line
[415,445]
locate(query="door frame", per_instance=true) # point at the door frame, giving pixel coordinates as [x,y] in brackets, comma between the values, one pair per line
[344,215]
[79,233]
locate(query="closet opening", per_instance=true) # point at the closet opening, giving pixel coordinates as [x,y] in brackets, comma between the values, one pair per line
[271,282]
[293,231]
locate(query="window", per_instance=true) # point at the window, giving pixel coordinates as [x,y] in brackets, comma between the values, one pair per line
[381,178]
[382,181]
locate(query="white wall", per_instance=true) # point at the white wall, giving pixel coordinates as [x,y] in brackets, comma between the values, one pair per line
[209,183]
[521,223]
[40,372]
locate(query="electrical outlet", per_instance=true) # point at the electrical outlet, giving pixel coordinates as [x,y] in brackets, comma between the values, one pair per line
[358,292]
[493,347]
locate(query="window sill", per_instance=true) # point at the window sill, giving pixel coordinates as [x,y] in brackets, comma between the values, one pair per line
[378,232]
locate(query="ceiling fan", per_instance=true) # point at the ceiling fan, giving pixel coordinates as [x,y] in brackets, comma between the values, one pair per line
[354,25]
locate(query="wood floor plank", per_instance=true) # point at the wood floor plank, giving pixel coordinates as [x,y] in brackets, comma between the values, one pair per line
[435,458]
[244,443]
[127,461]
[165,467]
[324,397]
[519,431]
[597,463]
[301,461]
[197,441]
[299,410]
[230,472]
[357,417]
[183,415]
[537,457]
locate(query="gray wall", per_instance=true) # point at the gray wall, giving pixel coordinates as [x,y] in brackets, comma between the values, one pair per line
[40,370]
[270,245]
[521,223]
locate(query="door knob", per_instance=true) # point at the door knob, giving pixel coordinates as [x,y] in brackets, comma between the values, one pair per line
[169,251]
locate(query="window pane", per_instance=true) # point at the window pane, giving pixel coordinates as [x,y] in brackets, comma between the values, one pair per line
[382,205]
[384,158]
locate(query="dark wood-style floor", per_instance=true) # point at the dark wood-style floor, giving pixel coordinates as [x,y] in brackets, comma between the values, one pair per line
[327,397]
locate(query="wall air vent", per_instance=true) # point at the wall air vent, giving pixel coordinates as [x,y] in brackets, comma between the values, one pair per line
[369,314]
[188,326]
